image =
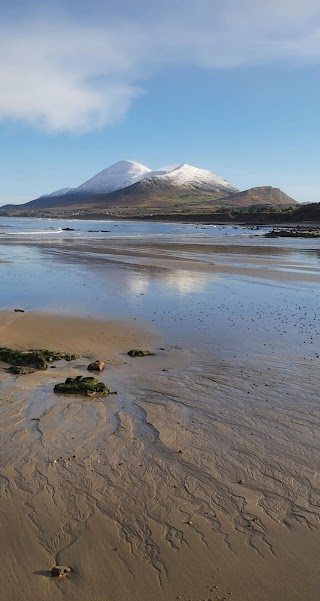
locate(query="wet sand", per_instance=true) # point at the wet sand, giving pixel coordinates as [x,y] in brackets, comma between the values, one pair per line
[200,478]
[86,337]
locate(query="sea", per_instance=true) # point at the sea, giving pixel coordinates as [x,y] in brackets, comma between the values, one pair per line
[196,284]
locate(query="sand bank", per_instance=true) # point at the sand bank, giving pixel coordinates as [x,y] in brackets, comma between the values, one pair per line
[198,483]
[87,337]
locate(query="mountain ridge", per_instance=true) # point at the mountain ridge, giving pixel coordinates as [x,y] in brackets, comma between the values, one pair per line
[127,186]
[124,174]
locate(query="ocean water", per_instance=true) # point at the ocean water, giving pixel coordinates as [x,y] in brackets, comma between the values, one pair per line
[119,274]
[89,229]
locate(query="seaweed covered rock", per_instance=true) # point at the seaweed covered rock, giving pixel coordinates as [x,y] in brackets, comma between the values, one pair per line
[38,359]
[23,358]
[51,356]
[137,353]
[79,385]
[60,571]
[19,370]
[96,366]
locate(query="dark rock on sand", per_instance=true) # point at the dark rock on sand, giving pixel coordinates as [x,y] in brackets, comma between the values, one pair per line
[60,571]
[19,370]
[23,358]
[19,310]
[51,356]
[137,353]
[96,366]
[38,359]
[79,385]
[296,232]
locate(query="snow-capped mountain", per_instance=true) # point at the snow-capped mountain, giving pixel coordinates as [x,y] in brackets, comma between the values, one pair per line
[128,188]
[120,175]
[123,174]
[189,175]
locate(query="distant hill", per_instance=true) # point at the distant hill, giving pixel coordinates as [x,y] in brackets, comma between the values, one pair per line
[264,195]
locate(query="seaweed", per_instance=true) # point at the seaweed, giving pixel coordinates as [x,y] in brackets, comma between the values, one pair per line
[80,385]
[137,353]
[51,356]
[38,359]
[19,370]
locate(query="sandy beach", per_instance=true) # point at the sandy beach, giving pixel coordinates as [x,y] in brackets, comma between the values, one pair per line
[200,479]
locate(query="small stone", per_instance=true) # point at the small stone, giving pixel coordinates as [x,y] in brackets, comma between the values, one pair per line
[96,366]
[19,310]
[60,571]
[139,353]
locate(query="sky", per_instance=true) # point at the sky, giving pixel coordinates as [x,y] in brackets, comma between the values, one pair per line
[228,85]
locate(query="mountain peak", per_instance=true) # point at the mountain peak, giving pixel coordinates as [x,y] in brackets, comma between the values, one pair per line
[194,176]
[126,165]
[119,175]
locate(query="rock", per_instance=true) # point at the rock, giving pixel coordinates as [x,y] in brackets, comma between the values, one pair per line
[19,310]
[96,366]
[79,385]
[68,229]
[23,358]
[294,232]
[60,571]
[137,353]
[38,359]
[19,370]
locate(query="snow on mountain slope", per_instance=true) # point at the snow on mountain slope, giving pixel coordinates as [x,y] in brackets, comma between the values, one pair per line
[118,176]
[186,175]
[126,173]
[61,192]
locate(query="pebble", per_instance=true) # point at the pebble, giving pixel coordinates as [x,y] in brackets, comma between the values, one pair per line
[60,571]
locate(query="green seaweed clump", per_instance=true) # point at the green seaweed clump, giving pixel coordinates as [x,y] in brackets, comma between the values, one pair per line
[136,353]
[38,359]
[80,385]
[18,370]
[51,356]
[23,358]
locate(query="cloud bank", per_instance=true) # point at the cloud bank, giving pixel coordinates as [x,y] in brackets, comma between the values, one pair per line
[66,73]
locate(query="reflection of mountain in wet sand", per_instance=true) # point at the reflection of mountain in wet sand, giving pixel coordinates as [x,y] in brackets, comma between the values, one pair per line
[180,281]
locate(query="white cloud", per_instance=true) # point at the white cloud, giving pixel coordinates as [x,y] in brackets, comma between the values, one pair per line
[64,75]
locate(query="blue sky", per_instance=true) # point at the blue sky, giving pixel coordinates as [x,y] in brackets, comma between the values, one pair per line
[230,86]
